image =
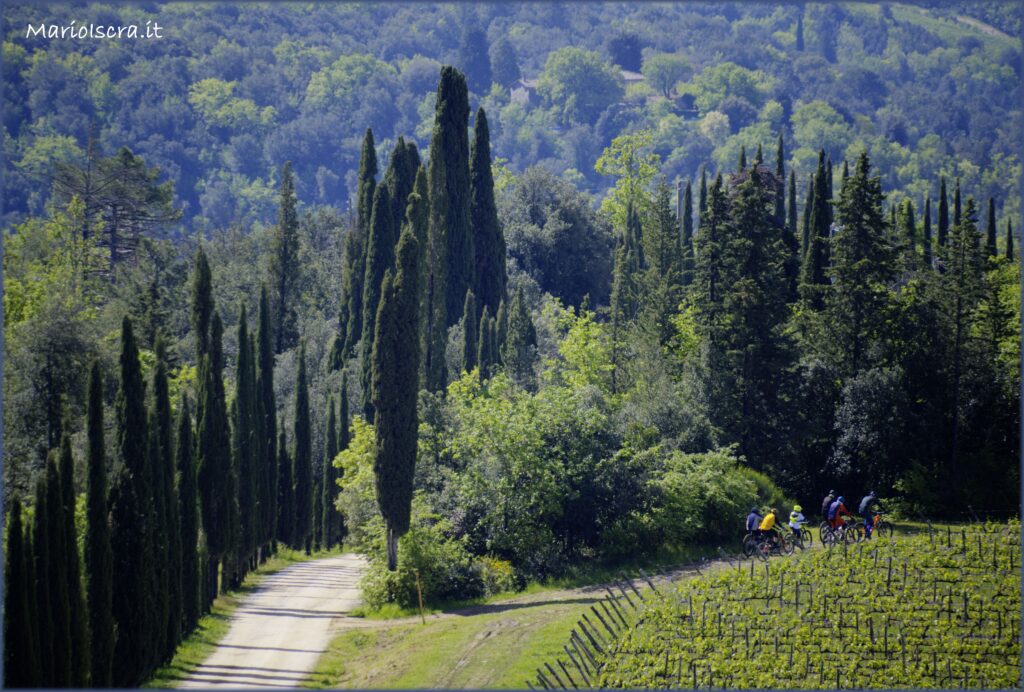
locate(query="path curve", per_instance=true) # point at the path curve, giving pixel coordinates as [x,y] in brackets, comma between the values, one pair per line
[280,631]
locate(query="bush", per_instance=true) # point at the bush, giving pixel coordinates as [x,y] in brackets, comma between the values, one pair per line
[447,571]
[498,575]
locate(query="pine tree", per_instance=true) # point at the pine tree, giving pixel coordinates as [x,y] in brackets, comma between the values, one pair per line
[302,459]
[395,365]
[98,554]
[521,341]
[943,213]
[78,631]
[687,236]
[328,524]
[58,576]
[131,523]
[927,242]
[450,193]
[268,473]
[21,664]
[202,303]
[488,240]
[484,347]
[863,266]
[45,606]
[380,256]
[469,333]
[188,516]
[1009,240]
[163,463]
[213,459]
[284,264]
[285,493]
[990,236]
[245,446]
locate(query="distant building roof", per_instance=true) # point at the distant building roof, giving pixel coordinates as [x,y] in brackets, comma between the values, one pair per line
[630,77]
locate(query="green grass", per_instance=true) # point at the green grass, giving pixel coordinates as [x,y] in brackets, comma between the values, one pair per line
[212,627]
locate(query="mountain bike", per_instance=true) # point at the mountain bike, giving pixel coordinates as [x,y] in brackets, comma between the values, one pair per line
[802,541]
[879,527]
[846,532]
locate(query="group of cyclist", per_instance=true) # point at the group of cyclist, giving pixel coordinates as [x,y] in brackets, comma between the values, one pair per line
[833,510]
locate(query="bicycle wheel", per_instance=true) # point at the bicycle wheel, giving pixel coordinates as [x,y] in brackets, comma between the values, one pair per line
[883,530]
[749,545]
[786,545]
[823,531]
[853,533]
[764,550]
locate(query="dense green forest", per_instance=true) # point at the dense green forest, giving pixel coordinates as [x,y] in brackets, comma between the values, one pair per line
[263,292]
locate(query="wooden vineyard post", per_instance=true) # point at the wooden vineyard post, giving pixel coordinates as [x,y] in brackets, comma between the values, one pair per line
[419,593]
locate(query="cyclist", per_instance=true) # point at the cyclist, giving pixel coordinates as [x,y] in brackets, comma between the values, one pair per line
[827,502]
[753,519]
[868,506]
[836,511]
[797,520]
[766,529]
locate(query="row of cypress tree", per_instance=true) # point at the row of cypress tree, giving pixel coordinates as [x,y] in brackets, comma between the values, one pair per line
[191,507]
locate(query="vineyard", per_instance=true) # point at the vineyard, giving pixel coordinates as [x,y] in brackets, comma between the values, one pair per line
[936,609]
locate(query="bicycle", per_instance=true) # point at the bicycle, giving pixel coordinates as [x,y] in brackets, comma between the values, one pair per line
[803,540]
[846,532]
[879,527]
[763,547]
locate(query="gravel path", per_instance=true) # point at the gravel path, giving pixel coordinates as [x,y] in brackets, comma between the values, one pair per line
[279,632]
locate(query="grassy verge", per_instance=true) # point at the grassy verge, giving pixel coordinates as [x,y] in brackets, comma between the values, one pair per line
[486,643]
[195,648]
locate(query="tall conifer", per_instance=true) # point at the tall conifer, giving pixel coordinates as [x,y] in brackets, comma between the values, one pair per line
[488,240]
[285,493]
[267,502]
[44,603]
[380,256]
[1009,240]
[395,365]
[284,264]
[98,554]
[245,446]
[328,523]
[188,516]
[163,477]
[469,333]
[927,241]
[990,230]
[484,348]
[302,459]
[943,213]
[21,664]
[687,236]
[521,340]
[57,577]
[77,626]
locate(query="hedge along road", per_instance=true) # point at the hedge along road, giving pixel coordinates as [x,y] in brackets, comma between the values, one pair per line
[280,631]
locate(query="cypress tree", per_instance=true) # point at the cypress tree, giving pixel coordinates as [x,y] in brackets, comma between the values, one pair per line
[828,178]
[780,176]
[488,240]
[355,243]
[98,554]
[943,213]
[245,443]
[791,211]
[812,276]
[317,510]
[687,236]
[302,459]
[484,347]
[76,601]
[131,523]
[58,576]
[759,156]
[703,199]
[267,501]
[158,606]
[521,341]
[1009,240]
[284,263]
[343,441]
[285,493]
[214,460]
[990,237]
[395,364]
[808,207]
[399,178]
[21,664]
[43,580]
[846,171]
[910,235]
[469,334]
[800,31]
[328,525]
[202,303]
[742,166]
[380,256]
[927,232]
[188,515]
[662,286]
[957,216]
[500,330]
[451,207]
[492,337]
[168,501]
[417,218]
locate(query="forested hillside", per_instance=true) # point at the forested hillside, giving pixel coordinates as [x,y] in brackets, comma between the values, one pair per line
[232,92]
[262,289]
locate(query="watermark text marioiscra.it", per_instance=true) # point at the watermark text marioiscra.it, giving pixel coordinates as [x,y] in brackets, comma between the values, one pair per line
[95,31]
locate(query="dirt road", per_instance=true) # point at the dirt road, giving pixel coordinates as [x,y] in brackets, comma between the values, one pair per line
[279,632]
